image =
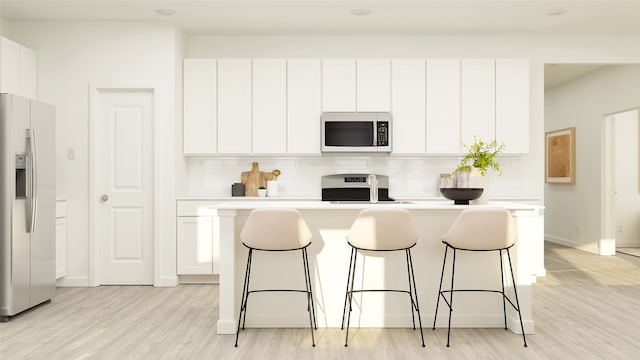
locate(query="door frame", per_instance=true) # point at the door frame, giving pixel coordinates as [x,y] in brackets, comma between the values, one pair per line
[94,97]
[607,243]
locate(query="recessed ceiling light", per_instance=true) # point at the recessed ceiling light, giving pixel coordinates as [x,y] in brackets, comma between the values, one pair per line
[360,12]
[165,12]
[556,12]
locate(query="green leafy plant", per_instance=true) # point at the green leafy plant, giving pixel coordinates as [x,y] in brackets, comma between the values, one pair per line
[481,155]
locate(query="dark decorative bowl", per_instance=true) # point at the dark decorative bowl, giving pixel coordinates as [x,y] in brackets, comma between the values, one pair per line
[461,196]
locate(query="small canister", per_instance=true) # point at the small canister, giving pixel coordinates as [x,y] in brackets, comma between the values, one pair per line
[237,189]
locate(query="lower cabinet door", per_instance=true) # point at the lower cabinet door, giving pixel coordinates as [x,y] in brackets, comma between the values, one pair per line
[195,245]
[61,247]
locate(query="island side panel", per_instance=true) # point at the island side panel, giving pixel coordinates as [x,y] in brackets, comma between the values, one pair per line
[228,275]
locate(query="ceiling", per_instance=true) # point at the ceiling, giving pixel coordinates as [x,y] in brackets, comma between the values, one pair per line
[331,17]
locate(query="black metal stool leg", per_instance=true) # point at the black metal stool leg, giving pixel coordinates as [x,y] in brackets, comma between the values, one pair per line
[412,304]
[504,296]
[245,287]
[515,291]
[453,271]
[305,263]
[350,294]
[444,262]
[346,293]
[313,306]
[412,279]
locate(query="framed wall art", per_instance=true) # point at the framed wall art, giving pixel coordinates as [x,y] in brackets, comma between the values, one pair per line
[560,159]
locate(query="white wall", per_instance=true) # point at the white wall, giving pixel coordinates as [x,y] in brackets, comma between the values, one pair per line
[573,212]
[71,56]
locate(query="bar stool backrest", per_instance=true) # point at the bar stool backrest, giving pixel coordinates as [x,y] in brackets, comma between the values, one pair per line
[383,229]
[482,229]
[275,229]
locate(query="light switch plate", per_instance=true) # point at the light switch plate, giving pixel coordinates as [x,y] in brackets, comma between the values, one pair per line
[71,154]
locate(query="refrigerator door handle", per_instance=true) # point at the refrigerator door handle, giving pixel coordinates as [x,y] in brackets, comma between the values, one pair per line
[31,135]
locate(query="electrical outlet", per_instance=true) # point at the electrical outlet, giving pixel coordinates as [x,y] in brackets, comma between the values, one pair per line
[619,229]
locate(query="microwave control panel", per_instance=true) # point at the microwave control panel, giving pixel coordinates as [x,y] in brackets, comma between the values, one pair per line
[383,133]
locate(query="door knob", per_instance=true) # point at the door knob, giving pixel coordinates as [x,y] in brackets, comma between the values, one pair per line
[104,197]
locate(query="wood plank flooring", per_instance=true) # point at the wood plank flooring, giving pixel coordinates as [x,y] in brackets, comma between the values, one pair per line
[586,307]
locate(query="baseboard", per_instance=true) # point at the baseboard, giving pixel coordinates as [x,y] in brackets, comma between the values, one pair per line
[168,281]
[73,281]
[199,279]
[572,244]
[607,247]
[627,244]
[226,327]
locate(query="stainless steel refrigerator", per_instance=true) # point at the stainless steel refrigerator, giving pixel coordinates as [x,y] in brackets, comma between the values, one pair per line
[27,204]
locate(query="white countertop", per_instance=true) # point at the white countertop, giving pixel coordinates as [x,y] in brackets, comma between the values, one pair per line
[328,205]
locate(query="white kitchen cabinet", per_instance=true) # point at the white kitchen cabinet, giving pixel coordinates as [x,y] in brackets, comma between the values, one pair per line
[234,106]
[408,86]
[197,239]
[477,116]
[303,106]
[443,106]
[373,85]
[199,107]
[269,106]
[18,69]
[339,85]
[61,238]
[195,245]
[512,105]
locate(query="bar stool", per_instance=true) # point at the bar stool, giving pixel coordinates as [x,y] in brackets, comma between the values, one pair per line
[376,229]
[276,229]
[480,229]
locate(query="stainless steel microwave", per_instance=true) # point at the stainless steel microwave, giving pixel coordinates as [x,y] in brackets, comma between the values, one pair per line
[356,132]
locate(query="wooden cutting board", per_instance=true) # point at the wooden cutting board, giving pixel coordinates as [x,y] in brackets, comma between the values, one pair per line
[255,178]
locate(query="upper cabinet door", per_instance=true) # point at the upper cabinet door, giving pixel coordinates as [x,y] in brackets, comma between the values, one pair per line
[234,106]
[303,106]
[28,73]
[18,69]
[269,106]
[409,95]
[339,85]
[199,129]
[443,106]
[373,85]
[478,100]
[512,105]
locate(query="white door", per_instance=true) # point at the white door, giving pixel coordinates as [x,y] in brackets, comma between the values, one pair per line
[627,196]
[124,186]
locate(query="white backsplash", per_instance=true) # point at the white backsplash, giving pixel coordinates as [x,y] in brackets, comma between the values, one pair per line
[409,177]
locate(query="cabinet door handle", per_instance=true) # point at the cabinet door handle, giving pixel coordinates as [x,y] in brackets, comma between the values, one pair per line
[104,197]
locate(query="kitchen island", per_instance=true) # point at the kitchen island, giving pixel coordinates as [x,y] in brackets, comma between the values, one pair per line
[329,261]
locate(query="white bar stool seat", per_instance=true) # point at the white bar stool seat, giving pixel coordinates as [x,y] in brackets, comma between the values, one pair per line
[276,229]
[480,229]
[378,229]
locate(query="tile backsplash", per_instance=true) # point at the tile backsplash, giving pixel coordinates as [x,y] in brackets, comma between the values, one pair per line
[409,177]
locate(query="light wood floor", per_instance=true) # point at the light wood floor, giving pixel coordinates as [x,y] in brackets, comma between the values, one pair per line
[586,307]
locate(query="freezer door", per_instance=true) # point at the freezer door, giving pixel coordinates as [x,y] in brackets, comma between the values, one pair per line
[43,236]
[15,241]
